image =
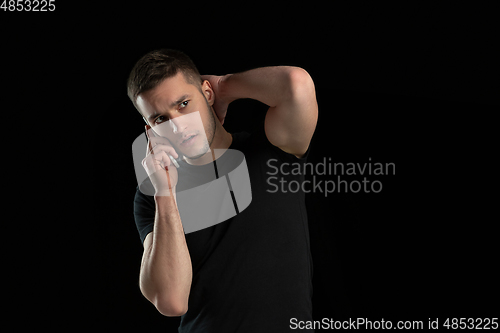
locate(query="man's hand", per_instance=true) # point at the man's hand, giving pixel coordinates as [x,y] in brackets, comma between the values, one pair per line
[221,102]
[159,167]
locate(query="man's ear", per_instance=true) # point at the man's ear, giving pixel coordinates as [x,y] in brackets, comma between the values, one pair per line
[208,92]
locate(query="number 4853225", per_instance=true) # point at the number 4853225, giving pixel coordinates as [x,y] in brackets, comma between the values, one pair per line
[28,5]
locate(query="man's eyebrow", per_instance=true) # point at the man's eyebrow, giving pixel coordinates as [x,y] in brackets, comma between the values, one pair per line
[178,101]
[154,115]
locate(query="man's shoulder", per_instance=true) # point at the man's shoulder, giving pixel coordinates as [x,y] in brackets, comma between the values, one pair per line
[240,138]
[248,138]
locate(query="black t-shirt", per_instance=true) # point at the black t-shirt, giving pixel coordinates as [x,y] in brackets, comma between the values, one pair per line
[252,272]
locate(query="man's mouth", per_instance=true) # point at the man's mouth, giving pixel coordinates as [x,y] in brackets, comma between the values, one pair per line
[188,140]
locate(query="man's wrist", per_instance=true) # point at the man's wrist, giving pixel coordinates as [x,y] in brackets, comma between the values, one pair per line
[167,194]
[165,203]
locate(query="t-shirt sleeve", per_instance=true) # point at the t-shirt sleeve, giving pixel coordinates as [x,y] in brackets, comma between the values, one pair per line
[144,213]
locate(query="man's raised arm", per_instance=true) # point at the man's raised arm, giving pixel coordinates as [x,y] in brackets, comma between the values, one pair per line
[288,91]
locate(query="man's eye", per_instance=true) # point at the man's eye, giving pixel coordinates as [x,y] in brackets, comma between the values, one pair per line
[183,104]
[159,120]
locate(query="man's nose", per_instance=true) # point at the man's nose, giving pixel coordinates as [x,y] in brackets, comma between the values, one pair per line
[173,126]
[177,124]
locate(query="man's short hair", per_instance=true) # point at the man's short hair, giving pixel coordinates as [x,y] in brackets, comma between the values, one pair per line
[158,65]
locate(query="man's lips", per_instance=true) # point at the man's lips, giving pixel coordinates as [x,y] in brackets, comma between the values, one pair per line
[188,140]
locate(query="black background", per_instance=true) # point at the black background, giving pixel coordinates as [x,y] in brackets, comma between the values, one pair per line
[415,86]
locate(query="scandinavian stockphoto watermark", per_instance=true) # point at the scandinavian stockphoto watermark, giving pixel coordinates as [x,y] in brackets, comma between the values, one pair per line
[279,173]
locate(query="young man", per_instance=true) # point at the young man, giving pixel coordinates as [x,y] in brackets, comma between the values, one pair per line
[252,272]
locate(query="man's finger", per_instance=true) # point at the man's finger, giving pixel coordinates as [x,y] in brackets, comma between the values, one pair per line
[162,157]
[159,140]
[168,149]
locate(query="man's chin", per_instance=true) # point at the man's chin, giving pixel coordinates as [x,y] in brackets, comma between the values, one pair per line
[196,156]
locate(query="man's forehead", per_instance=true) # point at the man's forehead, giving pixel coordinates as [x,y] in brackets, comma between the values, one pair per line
[170,88]
[166,94]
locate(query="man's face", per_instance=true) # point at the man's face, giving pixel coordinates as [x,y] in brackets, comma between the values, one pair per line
[172,108]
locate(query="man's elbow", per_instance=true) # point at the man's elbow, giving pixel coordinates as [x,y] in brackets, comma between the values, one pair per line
[301,83]
[165,304]
[170,308]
